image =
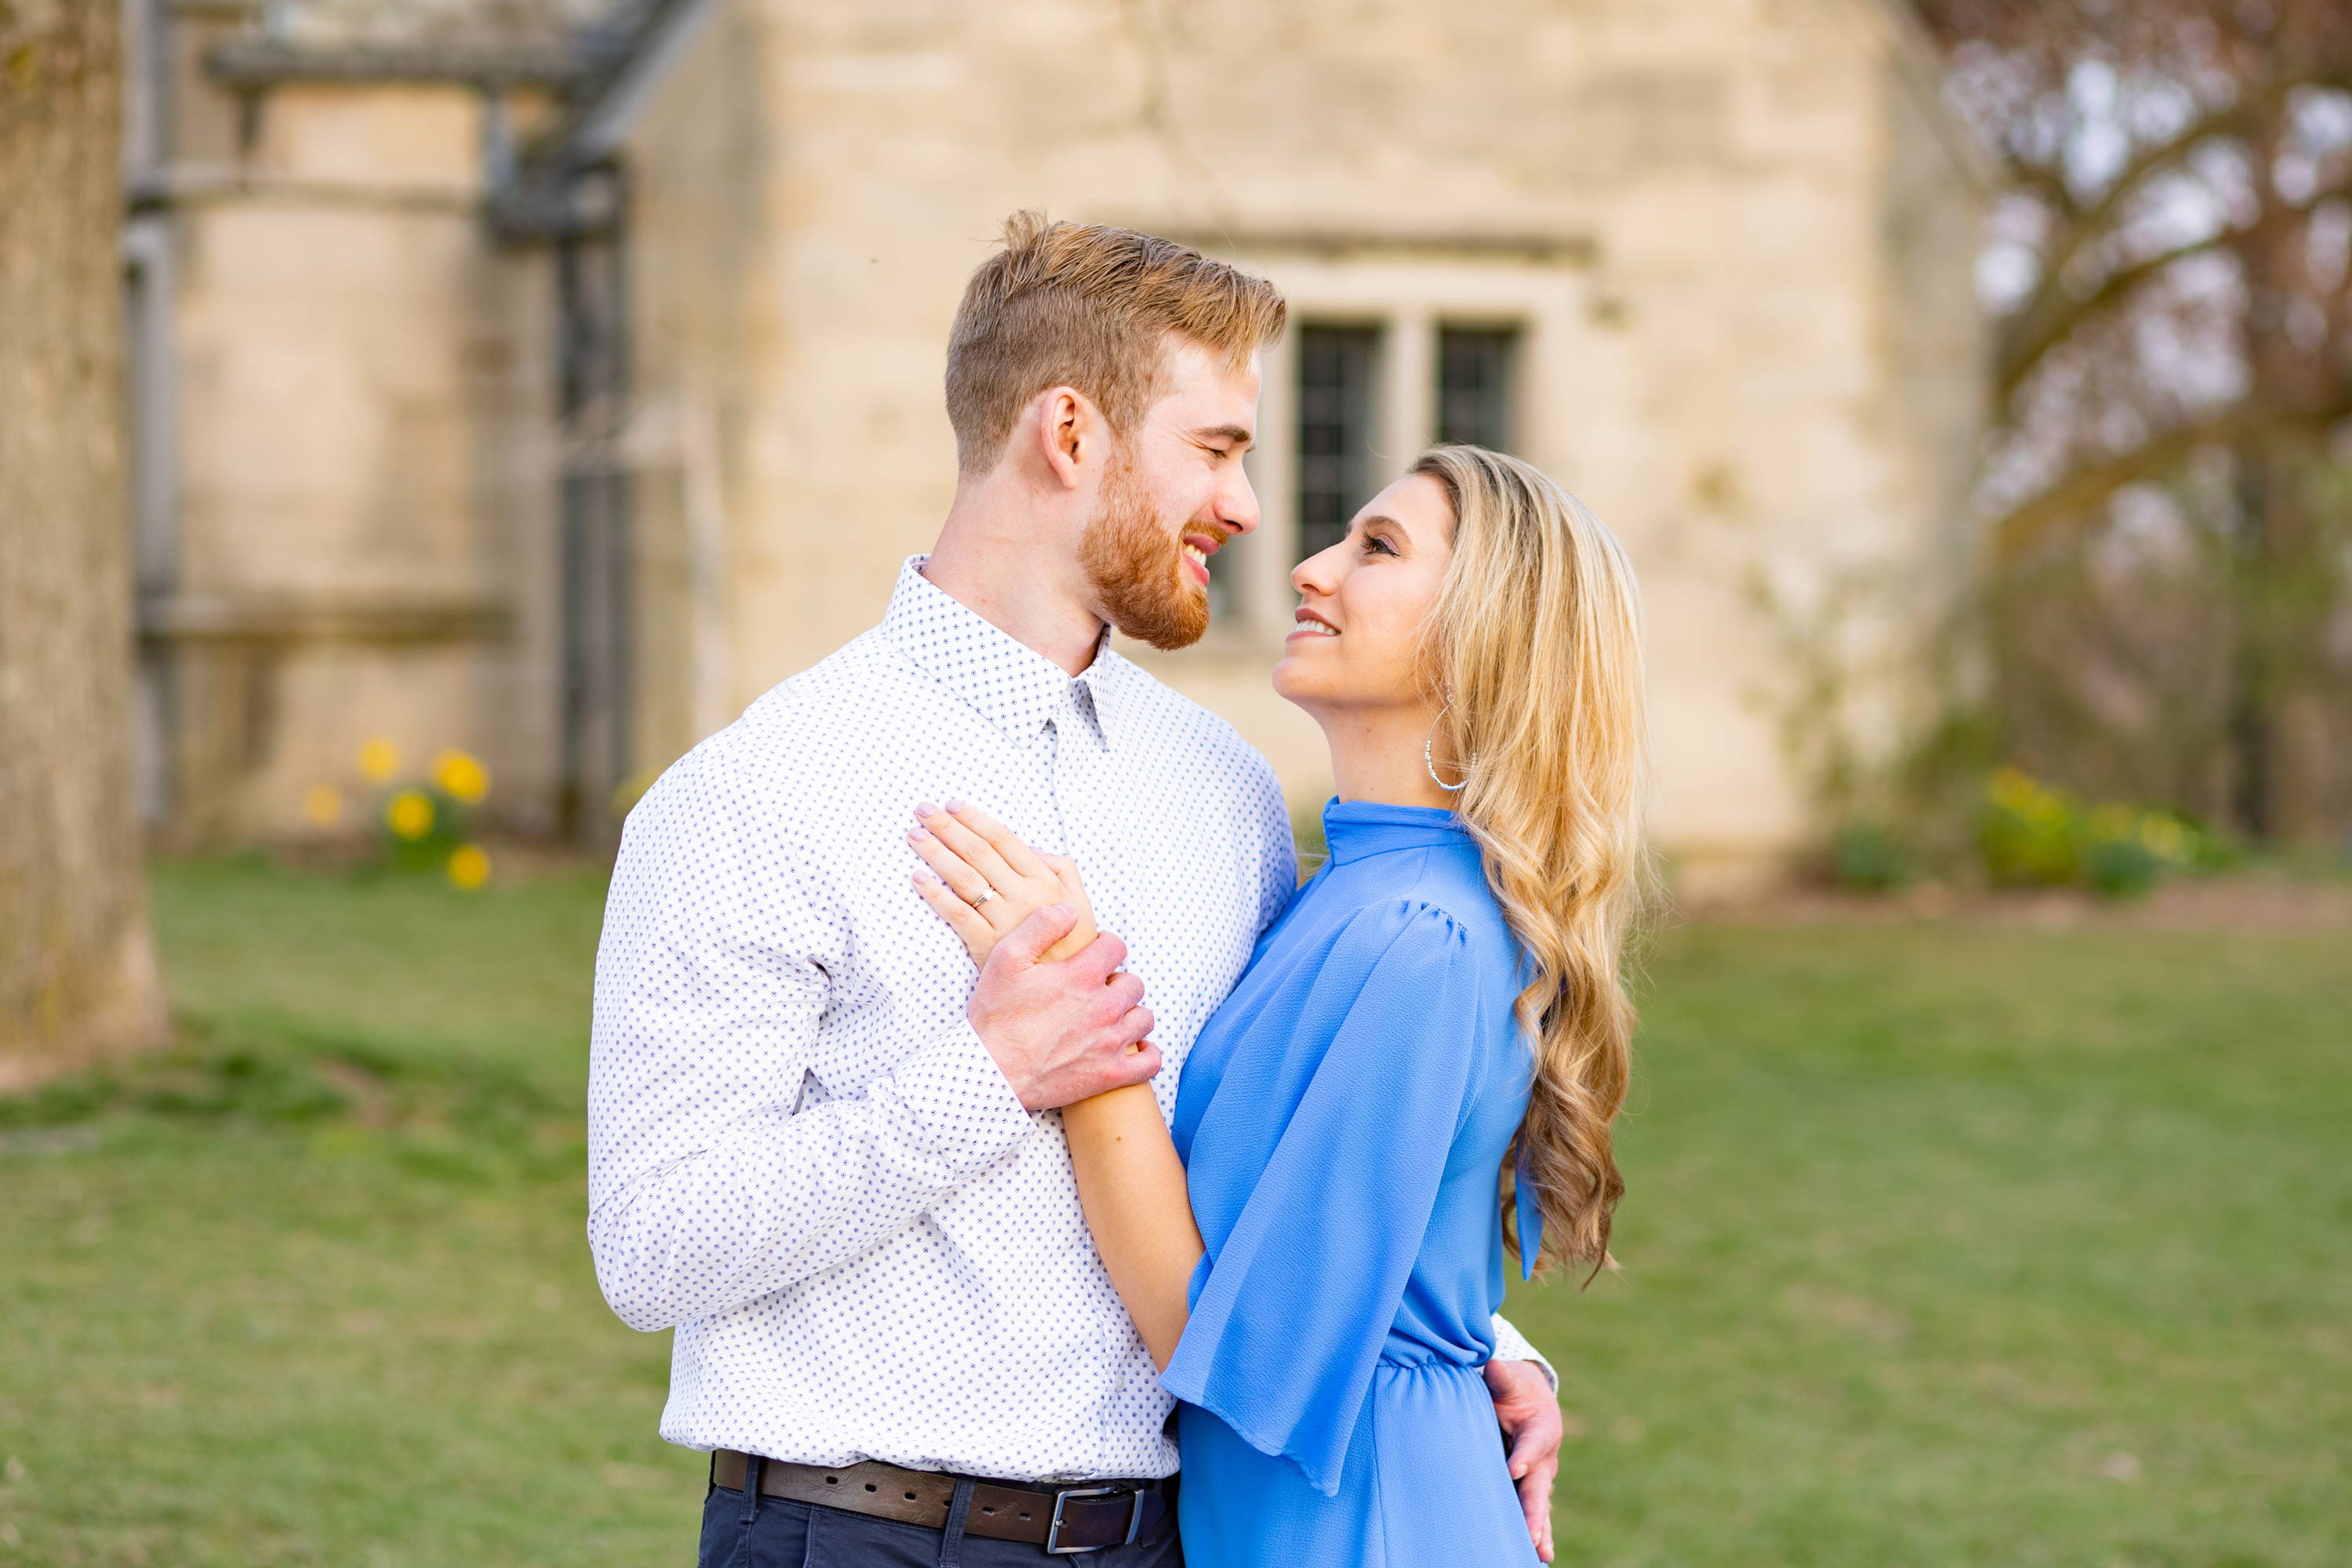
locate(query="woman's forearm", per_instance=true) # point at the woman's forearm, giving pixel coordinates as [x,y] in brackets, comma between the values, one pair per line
[1132,1187]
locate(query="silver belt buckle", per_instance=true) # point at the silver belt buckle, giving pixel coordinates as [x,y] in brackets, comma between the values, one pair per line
[1134,1518]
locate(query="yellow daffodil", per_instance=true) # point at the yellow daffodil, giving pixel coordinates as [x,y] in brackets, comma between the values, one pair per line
[469,866]
[409,813]
[323,805]
[461,775]
[379,760]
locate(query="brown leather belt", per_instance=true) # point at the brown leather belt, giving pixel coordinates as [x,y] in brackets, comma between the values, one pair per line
[1065,1521]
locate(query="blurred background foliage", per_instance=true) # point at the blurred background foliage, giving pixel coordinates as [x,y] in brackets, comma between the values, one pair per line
[2162,623]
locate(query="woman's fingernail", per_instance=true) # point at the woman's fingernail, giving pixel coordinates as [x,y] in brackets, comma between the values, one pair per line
[923,810]
[924,879]
[919,833]
[955,805]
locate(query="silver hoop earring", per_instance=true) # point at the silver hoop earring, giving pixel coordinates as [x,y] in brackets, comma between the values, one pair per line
[1429,756]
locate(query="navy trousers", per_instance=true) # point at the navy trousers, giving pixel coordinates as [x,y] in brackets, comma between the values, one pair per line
[780,1533]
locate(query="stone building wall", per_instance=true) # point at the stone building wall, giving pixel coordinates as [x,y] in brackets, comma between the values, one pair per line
[704,336]
[1734,235]
[344,453]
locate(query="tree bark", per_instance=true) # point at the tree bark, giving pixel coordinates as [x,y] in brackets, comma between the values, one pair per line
[2283,589]
[78,977]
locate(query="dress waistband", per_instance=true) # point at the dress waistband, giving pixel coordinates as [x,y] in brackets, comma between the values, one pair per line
[1426,1363]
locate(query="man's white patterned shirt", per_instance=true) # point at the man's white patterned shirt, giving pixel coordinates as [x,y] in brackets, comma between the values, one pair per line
[800,1154]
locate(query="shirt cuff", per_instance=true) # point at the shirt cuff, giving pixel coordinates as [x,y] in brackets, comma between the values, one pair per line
[1512,1345]
[960,1105]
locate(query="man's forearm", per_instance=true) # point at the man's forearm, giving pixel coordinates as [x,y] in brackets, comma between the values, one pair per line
[778,1195]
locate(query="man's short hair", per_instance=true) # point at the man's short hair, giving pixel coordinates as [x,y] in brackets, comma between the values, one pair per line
[1087,306]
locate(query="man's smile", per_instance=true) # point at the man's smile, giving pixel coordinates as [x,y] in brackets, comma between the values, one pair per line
[1197,549]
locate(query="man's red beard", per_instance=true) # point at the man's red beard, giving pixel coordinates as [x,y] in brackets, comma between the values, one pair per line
[1136,567]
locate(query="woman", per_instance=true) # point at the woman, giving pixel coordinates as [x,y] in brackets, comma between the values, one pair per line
[1314,1255]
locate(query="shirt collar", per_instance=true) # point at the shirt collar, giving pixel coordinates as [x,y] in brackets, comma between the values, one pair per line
[1003,678]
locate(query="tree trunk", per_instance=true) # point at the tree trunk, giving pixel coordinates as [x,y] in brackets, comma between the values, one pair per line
[2262,485]
[2284,587]
[77,964]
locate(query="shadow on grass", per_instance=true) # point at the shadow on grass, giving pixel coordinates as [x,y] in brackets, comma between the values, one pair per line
[453,1116]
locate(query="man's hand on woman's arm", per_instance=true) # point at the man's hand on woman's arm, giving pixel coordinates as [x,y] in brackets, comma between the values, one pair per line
[1063,1031]
[1051,1006]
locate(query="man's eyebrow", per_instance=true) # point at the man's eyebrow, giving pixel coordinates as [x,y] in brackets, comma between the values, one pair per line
[1239,435]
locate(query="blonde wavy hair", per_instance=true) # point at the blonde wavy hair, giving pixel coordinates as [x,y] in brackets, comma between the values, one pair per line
[1534,647]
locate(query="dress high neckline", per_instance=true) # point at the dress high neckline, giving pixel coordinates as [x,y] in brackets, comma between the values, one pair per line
[1353,830]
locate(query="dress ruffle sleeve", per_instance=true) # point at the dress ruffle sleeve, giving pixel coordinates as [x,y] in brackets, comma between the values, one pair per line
[1292,1307]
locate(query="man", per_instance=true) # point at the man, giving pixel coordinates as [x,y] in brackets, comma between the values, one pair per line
[821,1149]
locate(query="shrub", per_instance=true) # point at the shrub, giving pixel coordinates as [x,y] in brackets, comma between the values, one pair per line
[2032,834]
[1868,858]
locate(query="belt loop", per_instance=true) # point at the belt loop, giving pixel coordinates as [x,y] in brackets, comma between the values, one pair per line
[951,1538]
[751,1463]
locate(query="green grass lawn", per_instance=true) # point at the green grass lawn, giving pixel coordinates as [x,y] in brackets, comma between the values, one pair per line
[1954,1244]
[1946,1244]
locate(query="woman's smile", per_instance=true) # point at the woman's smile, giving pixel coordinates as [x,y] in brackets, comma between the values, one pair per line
[1373,589]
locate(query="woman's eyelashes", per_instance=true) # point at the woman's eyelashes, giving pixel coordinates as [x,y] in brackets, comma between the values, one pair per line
[1378,544]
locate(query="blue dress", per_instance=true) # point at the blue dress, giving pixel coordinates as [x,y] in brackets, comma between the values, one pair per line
[1342,1121]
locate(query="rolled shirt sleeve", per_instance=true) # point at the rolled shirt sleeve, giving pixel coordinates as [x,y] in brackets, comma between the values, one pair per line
[1512,1345]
